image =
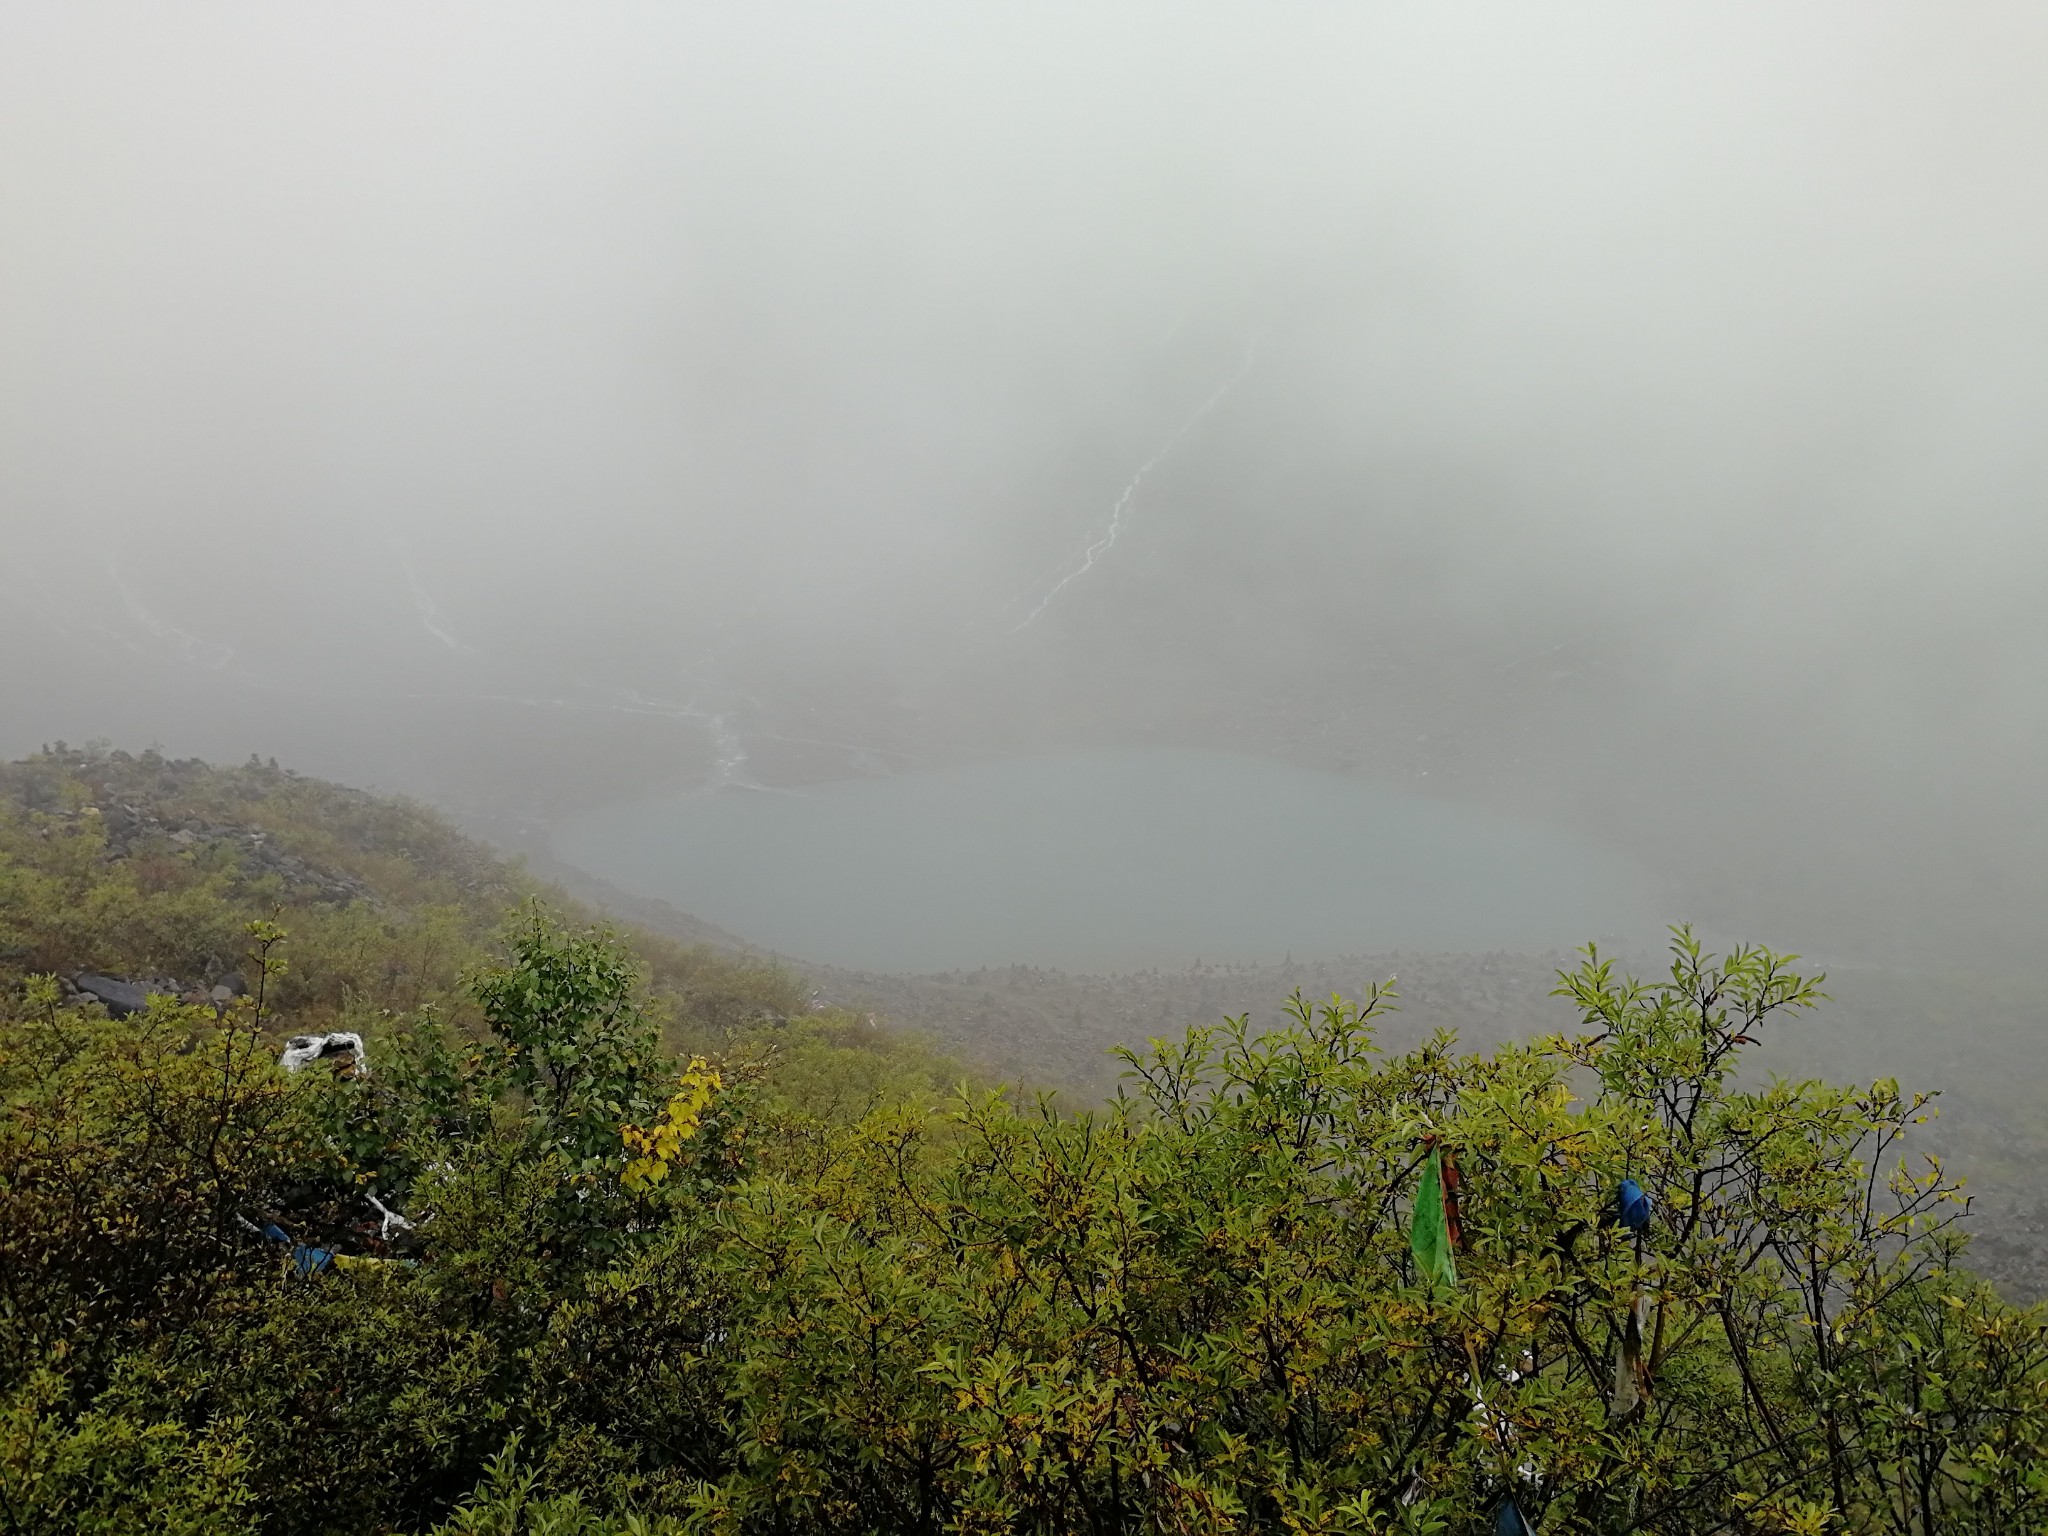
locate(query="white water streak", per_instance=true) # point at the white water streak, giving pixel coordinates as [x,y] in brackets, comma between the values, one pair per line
[1102,546]
[188,647]
[431,618]
[729,749]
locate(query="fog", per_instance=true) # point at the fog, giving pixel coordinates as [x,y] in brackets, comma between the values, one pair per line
[1626,419]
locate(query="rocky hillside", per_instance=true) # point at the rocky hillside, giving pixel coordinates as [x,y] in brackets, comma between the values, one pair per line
[147,870]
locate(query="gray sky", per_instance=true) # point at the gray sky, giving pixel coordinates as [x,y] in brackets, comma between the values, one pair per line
[1627,414]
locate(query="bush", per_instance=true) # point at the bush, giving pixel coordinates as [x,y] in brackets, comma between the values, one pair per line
[103,1474]
[130,1155]
[796,1288]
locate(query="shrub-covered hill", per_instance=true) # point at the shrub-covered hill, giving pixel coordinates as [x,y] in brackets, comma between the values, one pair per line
[614,1236]
[148,868]
[151,867]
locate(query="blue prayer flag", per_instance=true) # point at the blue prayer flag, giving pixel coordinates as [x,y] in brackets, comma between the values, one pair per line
[1632,1207]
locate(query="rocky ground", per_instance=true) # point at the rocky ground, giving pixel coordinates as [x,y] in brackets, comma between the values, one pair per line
[134,832]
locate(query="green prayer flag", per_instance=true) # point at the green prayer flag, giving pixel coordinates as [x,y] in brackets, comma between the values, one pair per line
[1429,1233]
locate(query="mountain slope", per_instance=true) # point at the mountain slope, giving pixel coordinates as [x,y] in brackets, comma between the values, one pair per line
[148,867]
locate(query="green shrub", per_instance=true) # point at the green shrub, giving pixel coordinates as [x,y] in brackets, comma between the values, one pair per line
[132,1154]
[104,1474]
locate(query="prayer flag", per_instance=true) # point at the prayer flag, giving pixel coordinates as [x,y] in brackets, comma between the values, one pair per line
[1429,1233]
[1632,1207]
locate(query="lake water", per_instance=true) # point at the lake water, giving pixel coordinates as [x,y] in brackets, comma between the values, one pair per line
[1110,861]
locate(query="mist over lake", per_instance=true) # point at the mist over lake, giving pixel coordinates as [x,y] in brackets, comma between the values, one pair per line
[1109,860]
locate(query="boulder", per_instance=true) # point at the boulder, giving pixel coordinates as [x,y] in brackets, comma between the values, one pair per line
[119,998]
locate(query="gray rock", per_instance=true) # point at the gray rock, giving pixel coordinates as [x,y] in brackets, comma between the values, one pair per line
[120,998]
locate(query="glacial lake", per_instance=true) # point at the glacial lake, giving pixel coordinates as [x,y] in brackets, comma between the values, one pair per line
[1110,861]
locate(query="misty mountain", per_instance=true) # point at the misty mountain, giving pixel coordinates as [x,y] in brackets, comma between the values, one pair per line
[1623,421]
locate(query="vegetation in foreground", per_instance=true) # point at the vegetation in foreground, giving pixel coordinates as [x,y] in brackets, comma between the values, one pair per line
[677,1254]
